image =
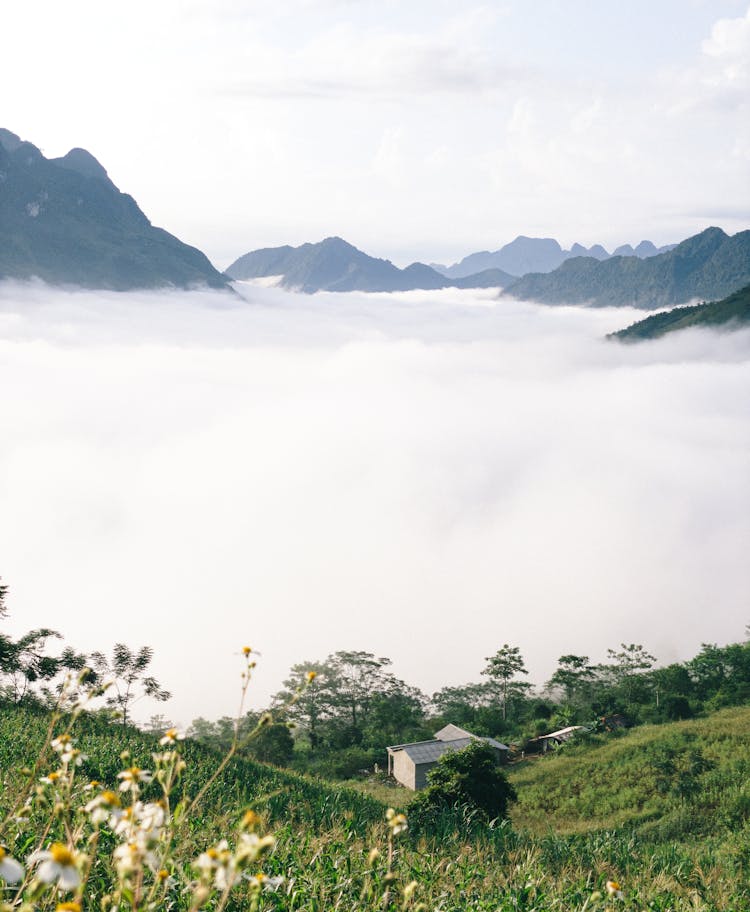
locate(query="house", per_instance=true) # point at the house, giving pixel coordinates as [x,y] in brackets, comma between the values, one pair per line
[410,763]
[554,739]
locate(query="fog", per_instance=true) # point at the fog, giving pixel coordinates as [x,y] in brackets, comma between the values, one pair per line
[425,476]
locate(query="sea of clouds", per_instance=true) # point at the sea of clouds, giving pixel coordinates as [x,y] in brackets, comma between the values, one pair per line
[425,476]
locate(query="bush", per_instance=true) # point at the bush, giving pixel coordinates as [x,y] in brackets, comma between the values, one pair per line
[465,783]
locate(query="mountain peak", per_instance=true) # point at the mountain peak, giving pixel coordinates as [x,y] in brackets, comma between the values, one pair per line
[83,162]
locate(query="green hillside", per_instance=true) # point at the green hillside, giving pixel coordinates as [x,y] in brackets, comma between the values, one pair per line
[709,265]
[731,312]
[673,781]
[663,810]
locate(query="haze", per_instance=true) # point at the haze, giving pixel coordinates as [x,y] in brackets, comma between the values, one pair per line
[425,476]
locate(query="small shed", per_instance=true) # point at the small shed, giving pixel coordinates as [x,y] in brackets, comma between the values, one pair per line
[410,763]
[552,740]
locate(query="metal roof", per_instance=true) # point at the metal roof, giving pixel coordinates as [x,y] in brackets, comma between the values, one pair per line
[430,751]
[452,732]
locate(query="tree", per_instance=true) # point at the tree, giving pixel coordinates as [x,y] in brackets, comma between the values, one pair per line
[3,593]
[573,676]
[307,703]
[24,662]
[272,744]
[127,672]
[470,778]
[503,667]
[628,666]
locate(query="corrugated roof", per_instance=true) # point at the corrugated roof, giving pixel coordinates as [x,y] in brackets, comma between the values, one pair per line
[452,732]
[430,751]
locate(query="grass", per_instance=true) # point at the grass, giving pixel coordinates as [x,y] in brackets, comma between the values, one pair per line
[589,814]
[671,781]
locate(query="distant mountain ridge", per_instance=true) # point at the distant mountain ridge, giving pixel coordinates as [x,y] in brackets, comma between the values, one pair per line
[526,254]
[731,312]
[335,265]
[709,265]
[62,220]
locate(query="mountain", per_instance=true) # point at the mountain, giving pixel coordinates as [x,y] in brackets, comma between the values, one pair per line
[730,313]
[64,221]
[526,254]
[709,265]
[335,265]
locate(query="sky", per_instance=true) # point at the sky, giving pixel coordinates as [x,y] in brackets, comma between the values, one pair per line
[416,130]
[425,476]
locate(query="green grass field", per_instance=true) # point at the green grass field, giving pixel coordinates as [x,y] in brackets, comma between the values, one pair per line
[663,810]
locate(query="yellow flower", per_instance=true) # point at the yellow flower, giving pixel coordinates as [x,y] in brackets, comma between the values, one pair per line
[58,866]
[250,820]
[68,907]
[311,676]
[613,889]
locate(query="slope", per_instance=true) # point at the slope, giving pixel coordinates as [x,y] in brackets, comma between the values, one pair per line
[64,221]
[335,265]
[731,313]
[709,265]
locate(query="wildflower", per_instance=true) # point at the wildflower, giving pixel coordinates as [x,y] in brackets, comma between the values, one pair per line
[250,820]
[397,822]
[171,735]
[11,871]
[99,808]
[68,907]
[311,676]
[53,777]
[132,777]
[219,861]
[613,890]
[62,744]
[246,650]
[251,846]
[130,856]
[263,881]
[58,866]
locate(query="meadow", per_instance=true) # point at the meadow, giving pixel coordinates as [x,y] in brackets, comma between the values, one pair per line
[661,811]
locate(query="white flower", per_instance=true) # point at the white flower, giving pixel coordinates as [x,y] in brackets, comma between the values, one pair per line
[613,890]
[171,735]
[397,822]
[58,866]
[130,856]
[11,871]
[219,860]
[133,777]
[99,808]
[251,846]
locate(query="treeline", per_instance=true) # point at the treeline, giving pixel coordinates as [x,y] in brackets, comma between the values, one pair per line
[29,673]
[336,716]
[340,723]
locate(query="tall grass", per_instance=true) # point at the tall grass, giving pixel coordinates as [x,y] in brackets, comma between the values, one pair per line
[328,848]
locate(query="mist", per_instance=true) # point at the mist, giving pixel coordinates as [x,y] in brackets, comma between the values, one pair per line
[425,476]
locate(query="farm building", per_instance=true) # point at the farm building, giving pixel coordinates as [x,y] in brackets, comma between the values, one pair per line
[554,739]
[410,763]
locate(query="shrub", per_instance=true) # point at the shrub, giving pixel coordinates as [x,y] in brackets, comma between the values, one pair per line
[464,781]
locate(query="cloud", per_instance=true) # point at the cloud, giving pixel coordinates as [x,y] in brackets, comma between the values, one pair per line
[351,60]
[425,476]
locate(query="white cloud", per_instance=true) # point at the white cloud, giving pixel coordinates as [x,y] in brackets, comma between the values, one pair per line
[365,471]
